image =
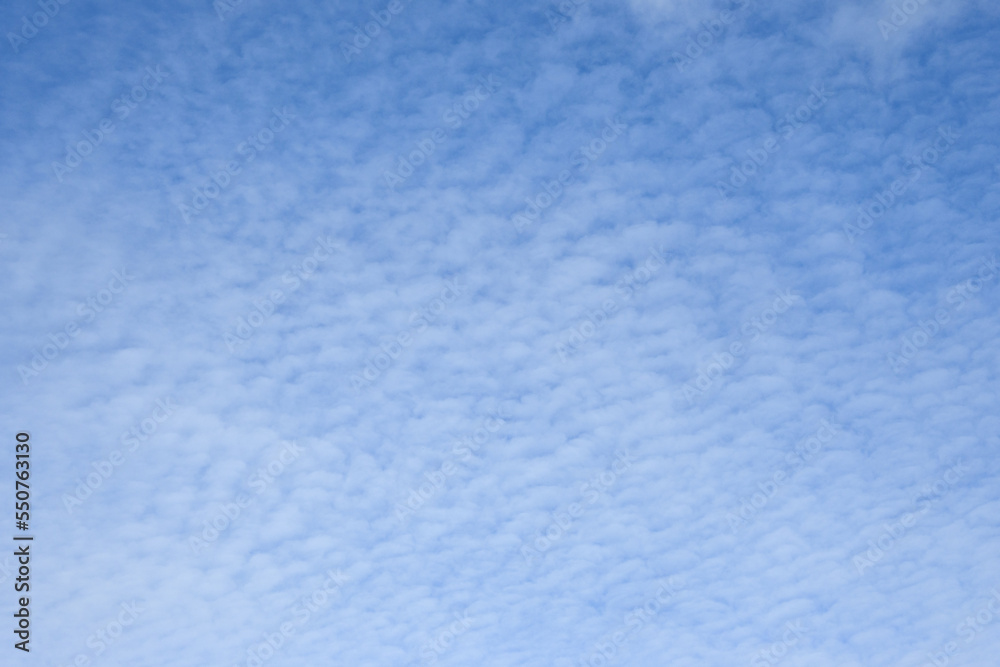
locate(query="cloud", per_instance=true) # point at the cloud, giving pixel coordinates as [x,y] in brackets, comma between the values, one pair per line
[480,343]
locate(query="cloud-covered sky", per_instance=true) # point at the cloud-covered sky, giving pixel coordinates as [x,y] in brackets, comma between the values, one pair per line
[537,334]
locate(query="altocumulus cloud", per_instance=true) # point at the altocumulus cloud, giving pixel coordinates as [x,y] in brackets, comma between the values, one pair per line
[562,250]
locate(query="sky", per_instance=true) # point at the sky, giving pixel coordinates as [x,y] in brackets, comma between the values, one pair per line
[639,333]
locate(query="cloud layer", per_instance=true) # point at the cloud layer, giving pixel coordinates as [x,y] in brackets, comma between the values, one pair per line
[461,333]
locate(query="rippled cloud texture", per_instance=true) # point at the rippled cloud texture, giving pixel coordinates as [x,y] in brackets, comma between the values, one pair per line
[539,334]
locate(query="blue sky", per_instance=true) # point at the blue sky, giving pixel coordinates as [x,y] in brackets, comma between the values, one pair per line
[640,333]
